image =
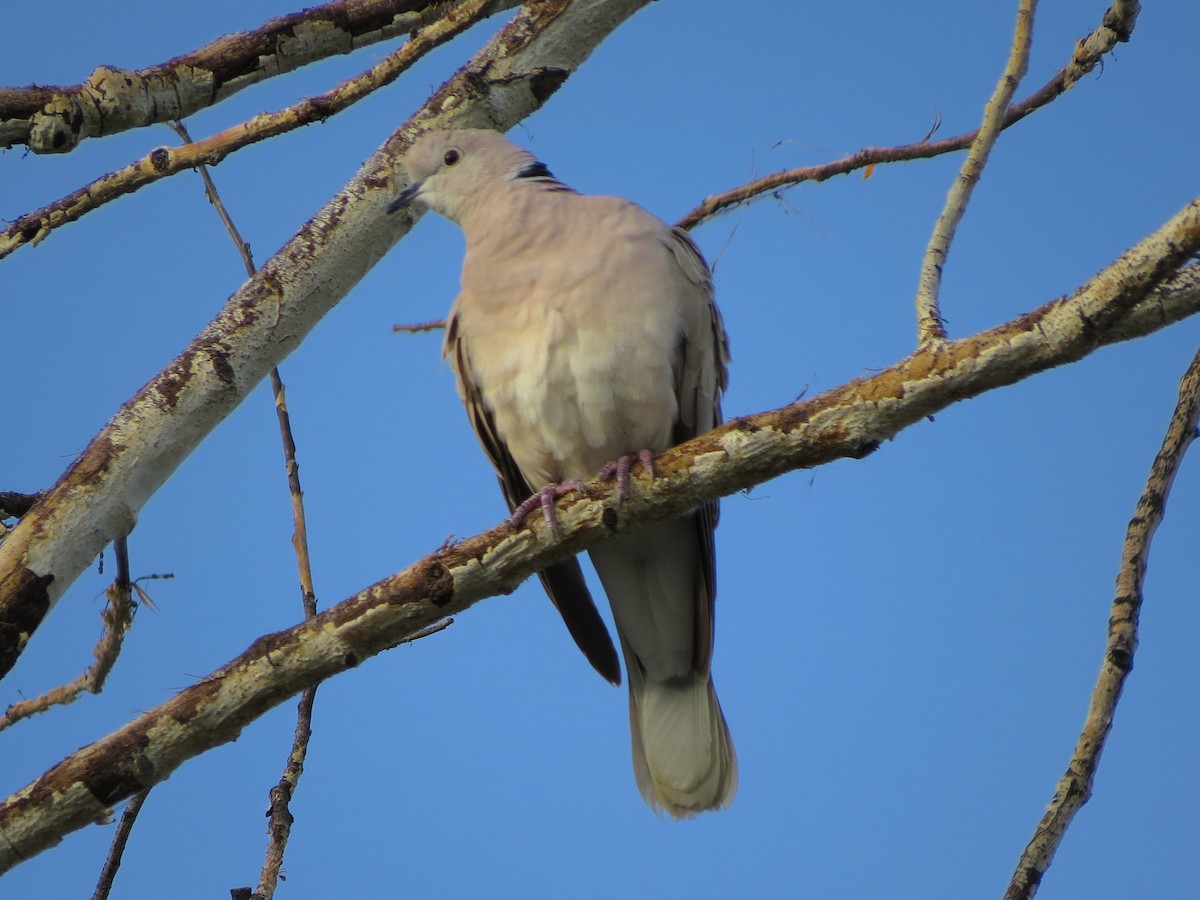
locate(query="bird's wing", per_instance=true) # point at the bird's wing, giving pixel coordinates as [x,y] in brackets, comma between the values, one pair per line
[563,581]
[700,377]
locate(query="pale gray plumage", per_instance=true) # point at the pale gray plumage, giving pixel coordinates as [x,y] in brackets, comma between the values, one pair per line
[586,331]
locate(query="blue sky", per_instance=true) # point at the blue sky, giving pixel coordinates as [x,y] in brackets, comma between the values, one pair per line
[906,644]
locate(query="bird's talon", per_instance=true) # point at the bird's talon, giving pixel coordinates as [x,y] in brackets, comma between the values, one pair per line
[545,500]
[620,468]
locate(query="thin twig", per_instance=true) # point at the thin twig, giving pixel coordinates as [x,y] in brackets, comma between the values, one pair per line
[116,618]
[930,328]
[1117,27]
[280,827]
[117,849]
[280,815]
[1075,787]
[33,227]
[419,327]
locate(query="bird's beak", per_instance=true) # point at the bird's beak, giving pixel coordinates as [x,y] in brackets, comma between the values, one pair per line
[405,197]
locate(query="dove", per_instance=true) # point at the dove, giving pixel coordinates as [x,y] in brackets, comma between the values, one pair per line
[585,338]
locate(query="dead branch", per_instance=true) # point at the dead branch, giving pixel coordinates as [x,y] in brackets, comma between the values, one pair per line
[1075,787]
[53,119]
[117,849]
[929,284]
[1117,26]
[117,618]
[161,162]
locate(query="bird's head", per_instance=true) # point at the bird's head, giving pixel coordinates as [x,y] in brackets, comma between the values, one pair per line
[451,170]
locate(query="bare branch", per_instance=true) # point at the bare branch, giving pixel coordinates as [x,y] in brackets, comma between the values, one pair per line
[1075,787]
[929,283]
[98,498]
[281,795]
[419,327]
[117,849]
[849,421]
[280,827]
[33,227]
[53,119]
[116,618]
[1117,27]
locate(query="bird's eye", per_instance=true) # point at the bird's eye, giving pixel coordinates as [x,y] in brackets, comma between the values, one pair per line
[452,156]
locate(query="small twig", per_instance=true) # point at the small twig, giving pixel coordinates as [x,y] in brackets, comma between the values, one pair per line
[116,617]
[930,327]
[1117,27]
[421,326]
[280,826]
[1075,787]
[280,815]
[117,849]
[427,631]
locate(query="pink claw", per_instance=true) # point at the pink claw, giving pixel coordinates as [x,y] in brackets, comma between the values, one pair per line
[545,499]
[620,468]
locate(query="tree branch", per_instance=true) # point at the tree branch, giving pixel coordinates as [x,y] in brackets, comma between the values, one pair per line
[1117,27]
[117,850]
[97,500]
[117,618]
[849,421]
[1075,787]
[162,162]
[929,283]
[51,119]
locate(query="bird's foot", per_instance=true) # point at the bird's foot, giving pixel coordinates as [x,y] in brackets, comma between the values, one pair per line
[545,499]
[619,469]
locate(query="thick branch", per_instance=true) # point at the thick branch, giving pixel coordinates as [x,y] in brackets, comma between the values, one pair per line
[849,421]
[162,162]
[55,119]
[98,499]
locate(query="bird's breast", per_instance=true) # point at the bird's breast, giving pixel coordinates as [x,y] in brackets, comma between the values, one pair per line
[572,377]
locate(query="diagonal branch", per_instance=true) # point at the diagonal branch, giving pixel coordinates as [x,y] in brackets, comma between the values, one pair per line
[117,850]
[929,283]
[1075,787]
[162,162]
[1116,28]
[849,421]
[98,498]
[52,119]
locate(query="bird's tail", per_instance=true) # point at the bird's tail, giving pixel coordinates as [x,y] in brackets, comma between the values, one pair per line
[659,584]
[683,758]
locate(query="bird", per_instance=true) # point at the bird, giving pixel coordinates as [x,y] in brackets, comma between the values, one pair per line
[586,337]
